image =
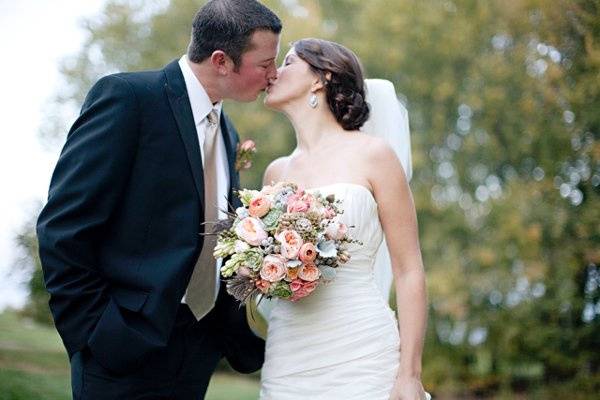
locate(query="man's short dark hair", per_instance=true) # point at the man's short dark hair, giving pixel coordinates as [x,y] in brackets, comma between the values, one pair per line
[228,25]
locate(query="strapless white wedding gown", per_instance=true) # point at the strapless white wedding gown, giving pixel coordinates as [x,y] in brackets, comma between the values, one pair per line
[342,341]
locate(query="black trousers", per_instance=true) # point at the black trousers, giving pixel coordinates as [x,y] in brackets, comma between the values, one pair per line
[180,371]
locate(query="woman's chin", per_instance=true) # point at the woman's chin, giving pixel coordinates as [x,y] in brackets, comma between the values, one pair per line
[270,102]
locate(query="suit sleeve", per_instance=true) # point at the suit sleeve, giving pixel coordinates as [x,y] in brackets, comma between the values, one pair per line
[89,178]
[241,347]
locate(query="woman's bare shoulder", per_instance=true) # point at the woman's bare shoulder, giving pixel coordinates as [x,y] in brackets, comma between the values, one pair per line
[371,148]
[275,169]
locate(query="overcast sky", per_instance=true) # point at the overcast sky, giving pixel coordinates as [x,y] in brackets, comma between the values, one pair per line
[34,36]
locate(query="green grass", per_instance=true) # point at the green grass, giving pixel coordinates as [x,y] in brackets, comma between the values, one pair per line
[23,385]
[228,387]
[34,366]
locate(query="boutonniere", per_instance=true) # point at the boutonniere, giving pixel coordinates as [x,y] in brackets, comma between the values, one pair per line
[245,153]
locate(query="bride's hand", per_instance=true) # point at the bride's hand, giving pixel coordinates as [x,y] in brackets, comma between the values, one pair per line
[407,388]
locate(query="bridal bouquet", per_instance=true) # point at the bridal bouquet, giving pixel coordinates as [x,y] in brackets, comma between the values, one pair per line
[283,242]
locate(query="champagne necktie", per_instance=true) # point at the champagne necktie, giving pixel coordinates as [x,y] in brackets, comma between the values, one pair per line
[202,289]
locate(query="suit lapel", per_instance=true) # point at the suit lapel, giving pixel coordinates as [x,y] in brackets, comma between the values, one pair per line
[182,111]
[230,139]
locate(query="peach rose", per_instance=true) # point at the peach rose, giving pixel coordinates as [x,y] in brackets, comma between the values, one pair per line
[291,242]
[243,271]
[263,285]
[336,230]
[273,268]
[259,206]
[251,230]
[307,253]
[309,272]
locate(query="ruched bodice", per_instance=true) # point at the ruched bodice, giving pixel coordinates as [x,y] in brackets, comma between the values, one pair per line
[342,341]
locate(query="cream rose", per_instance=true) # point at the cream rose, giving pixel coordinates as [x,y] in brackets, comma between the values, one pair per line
[336,230]
[268,190]
[251,230]
[291,242]
[273,268]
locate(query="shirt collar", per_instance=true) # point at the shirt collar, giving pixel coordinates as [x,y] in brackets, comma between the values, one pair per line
[199,100]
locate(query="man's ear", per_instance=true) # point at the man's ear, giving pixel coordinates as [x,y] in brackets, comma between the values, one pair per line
[221,62]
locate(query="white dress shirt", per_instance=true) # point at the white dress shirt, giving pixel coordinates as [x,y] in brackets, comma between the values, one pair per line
[201,107]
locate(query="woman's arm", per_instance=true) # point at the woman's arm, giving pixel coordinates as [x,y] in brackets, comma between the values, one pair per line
[399,222]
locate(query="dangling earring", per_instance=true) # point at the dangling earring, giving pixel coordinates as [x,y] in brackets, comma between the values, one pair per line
[313,101]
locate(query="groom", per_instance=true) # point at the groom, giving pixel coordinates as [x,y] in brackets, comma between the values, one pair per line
[134,290]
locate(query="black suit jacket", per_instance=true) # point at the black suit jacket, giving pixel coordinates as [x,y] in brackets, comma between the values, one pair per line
[122,228]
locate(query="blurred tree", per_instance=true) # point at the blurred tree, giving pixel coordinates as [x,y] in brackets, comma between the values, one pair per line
[507,182]
[503,99]
[29,262]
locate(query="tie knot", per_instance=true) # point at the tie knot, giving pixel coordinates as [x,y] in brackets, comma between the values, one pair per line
[213,117]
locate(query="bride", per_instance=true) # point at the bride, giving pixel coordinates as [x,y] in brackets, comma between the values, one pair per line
[343,341]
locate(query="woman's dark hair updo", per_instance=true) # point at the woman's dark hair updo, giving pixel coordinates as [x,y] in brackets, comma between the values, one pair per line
[345,88]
